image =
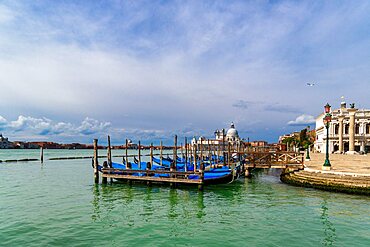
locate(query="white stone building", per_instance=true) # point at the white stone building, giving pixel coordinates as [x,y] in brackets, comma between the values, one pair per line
[231,136]
[349,131]
[5,143]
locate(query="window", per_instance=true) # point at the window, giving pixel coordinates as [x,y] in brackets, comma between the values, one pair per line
[336,129]
[357,129]
[367,128]
[346,129]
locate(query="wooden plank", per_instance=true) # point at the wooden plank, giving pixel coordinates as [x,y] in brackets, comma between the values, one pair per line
[112,170]
[153,179]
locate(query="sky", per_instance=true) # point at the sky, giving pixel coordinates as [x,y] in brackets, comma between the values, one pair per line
[71,71]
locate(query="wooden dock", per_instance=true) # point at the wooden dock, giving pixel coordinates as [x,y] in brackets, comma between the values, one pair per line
[274,159]
[240,159]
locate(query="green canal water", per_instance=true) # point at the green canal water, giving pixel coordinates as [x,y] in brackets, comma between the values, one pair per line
[57,204]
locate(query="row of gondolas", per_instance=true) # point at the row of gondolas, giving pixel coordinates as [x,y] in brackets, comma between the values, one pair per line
[215,170]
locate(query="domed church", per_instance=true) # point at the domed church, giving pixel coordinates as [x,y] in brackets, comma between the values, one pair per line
[232,135]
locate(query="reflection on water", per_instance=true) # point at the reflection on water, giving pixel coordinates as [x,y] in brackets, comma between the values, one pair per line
[173,199]
[201,206]
[264,205]
[40,207]
[95,203]
[178,203]
[148,202]
[329,229]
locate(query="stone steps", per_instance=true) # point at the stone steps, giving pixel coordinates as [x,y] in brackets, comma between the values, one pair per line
[335,177]
[310,179]
[330,181]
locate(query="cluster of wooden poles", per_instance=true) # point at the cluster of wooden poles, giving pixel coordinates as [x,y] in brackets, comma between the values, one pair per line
[191,154]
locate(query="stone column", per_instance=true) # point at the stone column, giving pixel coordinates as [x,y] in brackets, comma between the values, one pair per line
[340,118]
[352,112]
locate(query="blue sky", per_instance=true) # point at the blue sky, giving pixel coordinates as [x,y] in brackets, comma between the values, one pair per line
[76,70]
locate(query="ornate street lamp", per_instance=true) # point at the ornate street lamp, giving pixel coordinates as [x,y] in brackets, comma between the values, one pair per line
[308,158]
[327,120]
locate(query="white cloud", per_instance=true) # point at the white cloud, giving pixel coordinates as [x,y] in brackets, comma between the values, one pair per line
[187,62]
[91,126]
[3,122]
[26,126]
[303,120]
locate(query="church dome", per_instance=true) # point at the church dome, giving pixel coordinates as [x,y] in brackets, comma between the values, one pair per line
[232,132]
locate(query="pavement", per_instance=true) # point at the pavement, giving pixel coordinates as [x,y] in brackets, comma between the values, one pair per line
[359,164]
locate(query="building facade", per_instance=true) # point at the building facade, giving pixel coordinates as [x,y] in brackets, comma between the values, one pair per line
[5,143]
[349,131]
[230,136]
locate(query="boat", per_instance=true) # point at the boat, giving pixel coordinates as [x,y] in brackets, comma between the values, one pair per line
[180,165]
[217,175]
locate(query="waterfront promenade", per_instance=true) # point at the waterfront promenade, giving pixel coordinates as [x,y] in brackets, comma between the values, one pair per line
[359,164]
[349,173]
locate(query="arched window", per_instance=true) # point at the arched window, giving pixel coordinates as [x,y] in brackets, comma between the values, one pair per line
[346,129]
[357,128]
[367,128]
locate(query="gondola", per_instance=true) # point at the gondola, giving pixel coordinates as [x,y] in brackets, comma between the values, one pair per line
[212,176]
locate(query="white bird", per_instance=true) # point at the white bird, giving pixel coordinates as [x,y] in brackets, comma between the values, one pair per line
[310,84]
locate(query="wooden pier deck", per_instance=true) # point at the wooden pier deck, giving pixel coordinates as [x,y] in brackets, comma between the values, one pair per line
[274,159]
[221,156]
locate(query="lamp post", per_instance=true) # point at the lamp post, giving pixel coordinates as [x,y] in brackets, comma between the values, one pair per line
[327,120]
[308,158]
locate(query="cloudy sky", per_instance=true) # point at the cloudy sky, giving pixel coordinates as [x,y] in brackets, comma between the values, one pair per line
[76,70]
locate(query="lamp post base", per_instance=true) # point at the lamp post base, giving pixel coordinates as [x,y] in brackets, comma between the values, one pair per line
[326,168]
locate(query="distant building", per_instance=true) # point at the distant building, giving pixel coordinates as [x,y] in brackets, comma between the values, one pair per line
[230,136]
[47,145]
[5,143]
[283,137]
[258,144]
[19,144]
[349,131]
[25,145]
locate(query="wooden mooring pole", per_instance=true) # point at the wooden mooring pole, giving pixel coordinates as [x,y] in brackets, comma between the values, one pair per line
[186,154]
[128,164]
[201,175]
[150,164]
[218,153]
[151,154]
[42,154]
[173,165]
[195,158]
[104,179]
[126,154]
[139,156]
[175,153]
[161,153]
[109,153]
[228,154]
[209,154]
[201,151]
[223,146]
[96,170]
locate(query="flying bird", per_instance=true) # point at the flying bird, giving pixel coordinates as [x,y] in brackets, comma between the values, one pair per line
[310,84]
